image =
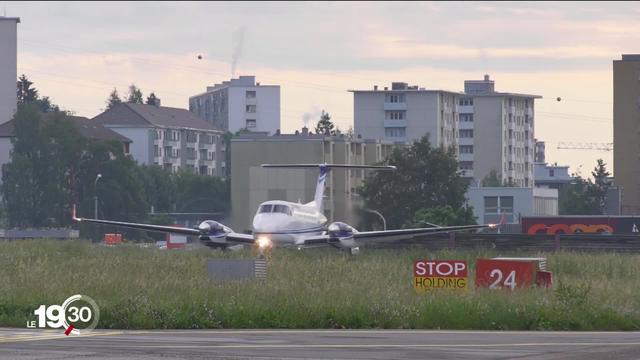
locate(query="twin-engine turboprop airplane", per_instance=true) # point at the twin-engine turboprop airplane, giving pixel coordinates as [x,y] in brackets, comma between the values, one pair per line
[282,223]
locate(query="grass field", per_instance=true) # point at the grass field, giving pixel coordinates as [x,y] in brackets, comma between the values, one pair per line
[149,288]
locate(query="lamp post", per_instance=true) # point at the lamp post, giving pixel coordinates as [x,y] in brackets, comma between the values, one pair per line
[384,222]
[95,198]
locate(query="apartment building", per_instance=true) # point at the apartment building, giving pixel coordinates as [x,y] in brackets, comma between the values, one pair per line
[626,128]
[170,137]
[496,132]
[8,66]
[253,184]
[239,104]
[406,113]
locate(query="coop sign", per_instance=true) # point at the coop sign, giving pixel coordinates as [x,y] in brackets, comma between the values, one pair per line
[429,275]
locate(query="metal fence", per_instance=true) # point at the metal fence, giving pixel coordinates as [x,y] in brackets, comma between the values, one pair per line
[527,242]
[54,233]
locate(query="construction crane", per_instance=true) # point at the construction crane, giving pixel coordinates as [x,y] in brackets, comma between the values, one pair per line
[585,146]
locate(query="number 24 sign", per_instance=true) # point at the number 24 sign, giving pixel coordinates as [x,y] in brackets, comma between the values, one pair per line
[504,274]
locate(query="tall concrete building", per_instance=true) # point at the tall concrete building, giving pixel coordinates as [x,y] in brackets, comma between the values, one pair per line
[406,113]
[8,66]
[496,133]
[626,131]
[253,184]
[169,137]
[239,104]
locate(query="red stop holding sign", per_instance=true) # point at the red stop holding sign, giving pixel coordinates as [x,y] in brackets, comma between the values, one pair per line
[504,274]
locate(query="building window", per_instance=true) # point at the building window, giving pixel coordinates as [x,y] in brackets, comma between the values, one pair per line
[466,165]
[466,149]
[251,108]
[251,94]
[466,117]
[466,133]
[398,132]
[251,123]
[495,206]
[395,98]
[156,151]
[466,102]
[551,173]
[395,115]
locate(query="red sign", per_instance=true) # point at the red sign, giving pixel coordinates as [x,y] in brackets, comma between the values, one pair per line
[440,268]
[504,274]
[439,274]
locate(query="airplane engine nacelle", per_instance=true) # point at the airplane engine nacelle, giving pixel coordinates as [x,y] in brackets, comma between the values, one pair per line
[341,234]
[213,232]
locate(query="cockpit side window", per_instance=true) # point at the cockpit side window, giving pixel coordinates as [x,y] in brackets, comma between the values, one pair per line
[283,209]
[265,209]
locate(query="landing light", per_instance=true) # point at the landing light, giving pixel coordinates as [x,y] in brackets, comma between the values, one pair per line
[263,242]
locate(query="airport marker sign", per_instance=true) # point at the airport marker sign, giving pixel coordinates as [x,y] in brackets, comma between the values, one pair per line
[429,275]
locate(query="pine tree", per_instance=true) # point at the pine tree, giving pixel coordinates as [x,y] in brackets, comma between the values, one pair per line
[325,126]
[114,99]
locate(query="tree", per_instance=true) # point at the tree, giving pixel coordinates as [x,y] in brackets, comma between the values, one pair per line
[443,216]
[575,198]
[586,197]
[492,179]
[325,126]
[114,99]
[600,186]
[38,181]
[25,92]
[199,193]
[135,95]
[426,177]
[152,99]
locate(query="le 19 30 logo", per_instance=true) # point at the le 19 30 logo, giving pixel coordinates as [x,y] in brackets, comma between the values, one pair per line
[77,314]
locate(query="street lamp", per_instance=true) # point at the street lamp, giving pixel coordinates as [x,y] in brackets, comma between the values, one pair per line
[384,222]
[95,198]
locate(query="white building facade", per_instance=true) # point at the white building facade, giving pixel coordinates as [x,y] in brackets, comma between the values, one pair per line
[239,104]
[169,137]
[406,113]
[8,66]
[489,203]
[496,132]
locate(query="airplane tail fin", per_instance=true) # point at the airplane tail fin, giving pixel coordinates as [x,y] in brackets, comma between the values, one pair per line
[324,172]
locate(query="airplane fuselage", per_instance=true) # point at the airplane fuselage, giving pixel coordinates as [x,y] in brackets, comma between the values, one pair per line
[285,223]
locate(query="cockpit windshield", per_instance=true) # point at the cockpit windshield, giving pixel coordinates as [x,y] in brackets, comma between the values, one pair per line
[268,208]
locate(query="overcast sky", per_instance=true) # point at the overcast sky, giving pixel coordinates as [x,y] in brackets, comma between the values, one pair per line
[76,53]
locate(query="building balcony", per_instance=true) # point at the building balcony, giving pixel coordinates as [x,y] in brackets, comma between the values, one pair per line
[251,101]
[465,157]
[466,173]
[465,141]
[465,125]
[395,123]
[388,106]
[465,109]
[512,110]
[529,113]
[203,145]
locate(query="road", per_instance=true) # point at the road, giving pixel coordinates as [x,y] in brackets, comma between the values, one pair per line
[318,344]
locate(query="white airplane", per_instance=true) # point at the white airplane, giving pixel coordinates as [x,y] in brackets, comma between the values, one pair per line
[282,223]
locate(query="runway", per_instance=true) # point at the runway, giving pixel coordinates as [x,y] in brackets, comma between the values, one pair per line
[318,344]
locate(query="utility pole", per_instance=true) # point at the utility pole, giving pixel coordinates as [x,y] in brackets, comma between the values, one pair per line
[95,198]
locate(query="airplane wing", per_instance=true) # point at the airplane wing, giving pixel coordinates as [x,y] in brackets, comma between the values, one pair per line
[221,232]
[389,235]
